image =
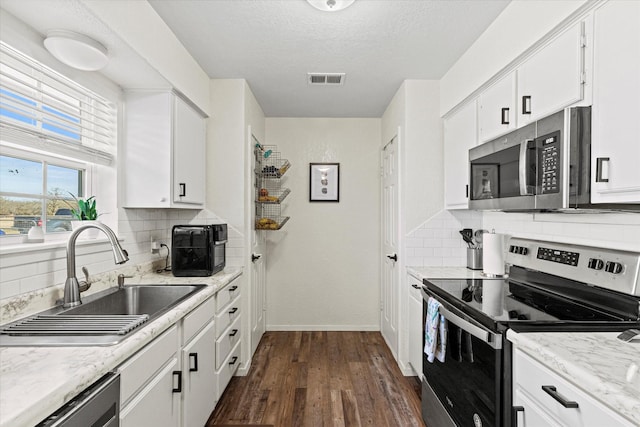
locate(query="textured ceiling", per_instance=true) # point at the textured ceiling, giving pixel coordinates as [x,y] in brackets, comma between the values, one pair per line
[273,44]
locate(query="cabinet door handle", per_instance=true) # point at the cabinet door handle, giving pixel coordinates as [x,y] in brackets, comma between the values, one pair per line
[233,288]
[233,310]
[466,193]
[183,189]
[233,333]
[178,388]
[505,116]
[526,104]
[551,391]
[234,359]
[514,414]
[393,257]
[414,286]
[194,357]
[255,257]
[600,169]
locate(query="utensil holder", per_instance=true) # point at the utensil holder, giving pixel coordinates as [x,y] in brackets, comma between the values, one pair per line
[474,258]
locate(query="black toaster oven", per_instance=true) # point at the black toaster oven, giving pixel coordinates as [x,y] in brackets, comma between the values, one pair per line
[198,250]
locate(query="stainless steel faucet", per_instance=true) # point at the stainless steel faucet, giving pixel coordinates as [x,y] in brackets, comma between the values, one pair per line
[71,285]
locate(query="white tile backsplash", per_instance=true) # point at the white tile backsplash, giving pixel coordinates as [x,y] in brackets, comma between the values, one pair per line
[437,242]
[45,266]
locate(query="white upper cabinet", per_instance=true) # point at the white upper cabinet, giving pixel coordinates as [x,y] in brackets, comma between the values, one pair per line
[553,77]
[460,135]
[497,109]
[163,161]
[616,108]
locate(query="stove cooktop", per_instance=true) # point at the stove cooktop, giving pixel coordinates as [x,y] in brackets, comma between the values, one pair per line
[500,304]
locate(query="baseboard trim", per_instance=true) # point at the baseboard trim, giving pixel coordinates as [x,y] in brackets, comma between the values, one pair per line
[342,328]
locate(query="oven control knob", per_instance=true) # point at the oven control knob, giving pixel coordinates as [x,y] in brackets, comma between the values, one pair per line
[523,251]
[595,264]
[613,267]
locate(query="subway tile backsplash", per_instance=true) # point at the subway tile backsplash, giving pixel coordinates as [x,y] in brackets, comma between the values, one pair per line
[22,272]
[438,243]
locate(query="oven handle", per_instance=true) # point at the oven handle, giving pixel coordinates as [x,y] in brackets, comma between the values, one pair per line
[522,168]
[482,334]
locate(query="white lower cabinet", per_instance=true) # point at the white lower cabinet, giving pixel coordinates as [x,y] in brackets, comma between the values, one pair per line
[157,404]
[150,382]
[541,398]
[415,324]
[199,394]
[177,379]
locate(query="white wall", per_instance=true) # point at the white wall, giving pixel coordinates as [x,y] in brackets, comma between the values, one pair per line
[323,266]
[226,151]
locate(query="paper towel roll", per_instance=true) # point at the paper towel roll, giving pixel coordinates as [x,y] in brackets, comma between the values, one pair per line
[493,254]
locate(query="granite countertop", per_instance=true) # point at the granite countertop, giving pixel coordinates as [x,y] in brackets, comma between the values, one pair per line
[35,381]
[601,365]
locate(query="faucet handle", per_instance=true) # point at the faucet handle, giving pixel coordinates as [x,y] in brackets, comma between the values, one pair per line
[121,278]
[85,284]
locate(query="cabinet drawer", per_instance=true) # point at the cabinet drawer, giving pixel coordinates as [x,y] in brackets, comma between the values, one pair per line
[137,370]
[226,295]
[529,378]
[228,368]
[198,318]
[229,338]
[227,316]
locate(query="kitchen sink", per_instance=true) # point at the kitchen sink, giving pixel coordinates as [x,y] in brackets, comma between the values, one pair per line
[103,319]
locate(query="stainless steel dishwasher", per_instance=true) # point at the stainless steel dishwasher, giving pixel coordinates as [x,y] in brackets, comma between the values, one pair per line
[97,406]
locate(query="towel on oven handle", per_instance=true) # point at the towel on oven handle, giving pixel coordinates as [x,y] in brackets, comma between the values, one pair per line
[435,332]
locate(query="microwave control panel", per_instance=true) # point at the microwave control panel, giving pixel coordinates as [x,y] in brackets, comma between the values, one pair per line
[549,161]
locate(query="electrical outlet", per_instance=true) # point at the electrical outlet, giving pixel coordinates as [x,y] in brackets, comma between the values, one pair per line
[155,247]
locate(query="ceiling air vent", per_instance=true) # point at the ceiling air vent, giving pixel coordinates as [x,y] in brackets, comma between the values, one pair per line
[326,78]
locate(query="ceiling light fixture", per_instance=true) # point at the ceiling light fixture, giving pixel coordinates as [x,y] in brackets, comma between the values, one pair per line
[76,50]
[330,5]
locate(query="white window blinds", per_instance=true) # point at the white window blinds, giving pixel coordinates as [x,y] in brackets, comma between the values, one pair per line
[42,109]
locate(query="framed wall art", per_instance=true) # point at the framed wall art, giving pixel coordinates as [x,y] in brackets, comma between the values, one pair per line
[324,182]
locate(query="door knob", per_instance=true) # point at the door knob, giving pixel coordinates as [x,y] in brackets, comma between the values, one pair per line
[394,257]
[255,257]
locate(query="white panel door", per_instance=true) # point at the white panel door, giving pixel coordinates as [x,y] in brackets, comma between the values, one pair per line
[257,288]
[390,270]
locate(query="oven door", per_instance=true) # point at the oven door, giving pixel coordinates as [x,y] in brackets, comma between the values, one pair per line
[502,172]
[467,385]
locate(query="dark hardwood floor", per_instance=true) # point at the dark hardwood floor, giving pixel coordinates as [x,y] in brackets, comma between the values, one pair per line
[321,379]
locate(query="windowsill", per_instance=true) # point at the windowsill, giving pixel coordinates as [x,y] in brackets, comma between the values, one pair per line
[23,247]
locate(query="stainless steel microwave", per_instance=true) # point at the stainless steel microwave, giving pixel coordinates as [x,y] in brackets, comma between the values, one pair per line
[545,165]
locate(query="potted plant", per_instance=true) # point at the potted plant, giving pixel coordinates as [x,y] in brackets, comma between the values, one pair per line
[85,211]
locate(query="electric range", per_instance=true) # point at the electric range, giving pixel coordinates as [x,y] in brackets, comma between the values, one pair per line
[550,287]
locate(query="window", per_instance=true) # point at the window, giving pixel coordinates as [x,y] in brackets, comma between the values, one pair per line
[52,131]
[38,192]
[42,109]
